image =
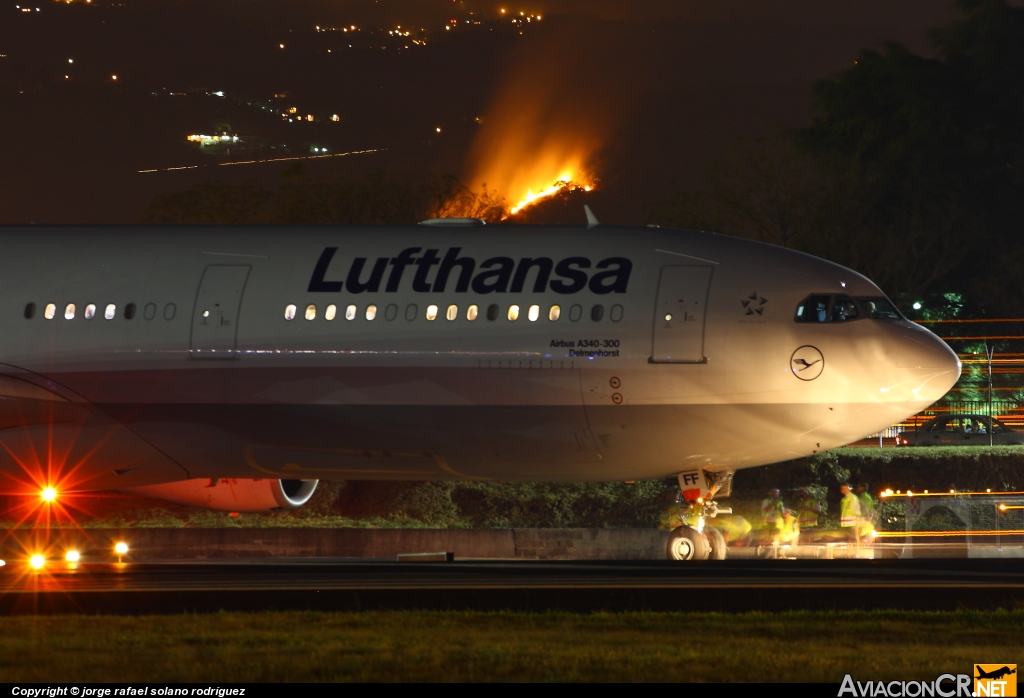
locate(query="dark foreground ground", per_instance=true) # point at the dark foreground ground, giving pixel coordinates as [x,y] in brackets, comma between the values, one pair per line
[505,646]
[499,585]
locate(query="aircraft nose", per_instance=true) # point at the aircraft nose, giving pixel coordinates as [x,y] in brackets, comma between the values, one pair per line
[920,348]
[926,360]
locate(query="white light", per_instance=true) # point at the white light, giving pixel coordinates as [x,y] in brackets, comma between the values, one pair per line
[37,562]
[121,548]
[71,60]
[917,306]
[72,556]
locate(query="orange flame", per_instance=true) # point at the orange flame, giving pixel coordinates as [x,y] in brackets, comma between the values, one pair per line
[541,134]
[564,183]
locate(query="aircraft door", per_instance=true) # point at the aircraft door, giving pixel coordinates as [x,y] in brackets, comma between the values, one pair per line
[679,315]
[215,315]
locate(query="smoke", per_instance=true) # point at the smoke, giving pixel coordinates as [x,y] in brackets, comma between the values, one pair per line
[552,114]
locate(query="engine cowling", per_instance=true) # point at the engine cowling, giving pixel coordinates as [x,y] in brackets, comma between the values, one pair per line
[230,494]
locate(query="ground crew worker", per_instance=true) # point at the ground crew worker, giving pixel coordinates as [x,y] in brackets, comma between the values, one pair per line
[789,528]
[849,512]
[808,509]
[868,509]
[771,512]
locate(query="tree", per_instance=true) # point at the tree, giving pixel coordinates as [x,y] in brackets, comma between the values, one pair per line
[211,202]
[911,171]
[925,160]
[374,197]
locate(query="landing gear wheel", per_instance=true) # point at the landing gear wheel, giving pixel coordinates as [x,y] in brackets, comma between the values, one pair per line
[717,541]
[684,543]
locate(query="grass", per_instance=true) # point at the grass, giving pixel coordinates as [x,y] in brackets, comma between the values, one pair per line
[506,646]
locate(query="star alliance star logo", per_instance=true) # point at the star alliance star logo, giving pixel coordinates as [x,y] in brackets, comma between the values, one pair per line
[754,305]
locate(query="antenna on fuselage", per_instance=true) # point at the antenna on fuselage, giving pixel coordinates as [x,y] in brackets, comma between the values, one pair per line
[592,221]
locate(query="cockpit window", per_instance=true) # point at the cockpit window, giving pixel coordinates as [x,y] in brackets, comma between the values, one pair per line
[843,309]
[814,309]
[879,308]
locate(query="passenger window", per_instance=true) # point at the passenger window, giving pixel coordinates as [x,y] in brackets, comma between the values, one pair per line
[129,311]
[310,312]
[30,311]
[431,312]
[51,311]
[843,309]
[492,312]
[350,312]
[554,312]
[451,313]
[391,312]
[616,313]
[471,313]
[597,313]
[410,312]
[814,309]
[90,311]
[371,312]
[534,313]
[513,312]
[110,312]
[575,313]
[149,312]
[330,312]
[69,311]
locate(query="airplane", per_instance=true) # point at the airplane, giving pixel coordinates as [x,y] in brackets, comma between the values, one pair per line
[233,367]
[995,674]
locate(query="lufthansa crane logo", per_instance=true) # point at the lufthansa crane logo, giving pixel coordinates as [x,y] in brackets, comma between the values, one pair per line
[807,363]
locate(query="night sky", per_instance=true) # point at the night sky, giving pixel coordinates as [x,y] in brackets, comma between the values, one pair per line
[641,99]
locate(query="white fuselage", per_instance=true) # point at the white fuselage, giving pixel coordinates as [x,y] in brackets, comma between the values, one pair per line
[688,363]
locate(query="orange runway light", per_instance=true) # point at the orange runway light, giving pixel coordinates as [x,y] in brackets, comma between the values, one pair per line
[48,494]
[72,556]
[121,548]
[37,562]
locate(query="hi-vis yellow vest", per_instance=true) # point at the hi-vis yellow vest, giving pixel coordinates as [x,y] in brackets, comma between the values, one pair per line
[849,510]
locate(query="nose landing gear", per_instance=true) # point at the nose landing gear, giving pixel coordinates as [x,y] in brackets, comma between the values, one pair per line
[686,543]
[695,539]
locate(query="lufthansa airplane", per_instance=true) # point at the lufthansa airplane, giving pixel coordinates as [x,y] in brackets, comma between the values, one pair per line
[234,367]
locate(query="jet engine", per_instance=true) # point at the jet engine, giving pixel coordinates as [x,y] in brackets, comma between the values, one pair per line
[230,494]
